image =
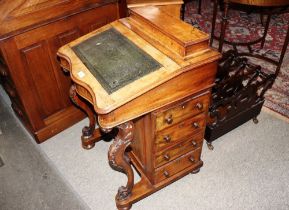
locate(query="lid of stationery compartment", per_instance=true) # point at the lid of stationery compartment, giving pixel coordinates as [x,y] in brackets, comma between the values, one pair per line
[178,31]
[142,3]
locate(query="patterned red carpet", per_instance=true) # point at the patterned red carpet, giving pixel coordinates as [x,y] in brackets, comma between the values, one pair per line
[243,26]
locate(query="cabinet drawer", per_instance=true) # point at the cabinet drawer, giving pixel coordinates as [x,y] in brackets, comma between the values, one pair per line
[172,153]
[181,111]
[177,165]
[179,131]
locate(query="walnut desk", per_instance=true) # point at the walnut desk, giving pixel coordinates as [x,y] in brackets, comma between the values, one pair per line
[152,82]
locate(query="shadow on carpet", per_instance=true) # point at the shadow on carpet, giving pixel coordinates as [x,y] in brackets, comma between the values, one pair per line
[27,180]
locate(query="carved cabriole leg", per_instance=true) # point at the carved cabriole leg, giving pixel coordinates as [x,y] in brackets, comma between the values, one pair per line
[89,134]
[119,160]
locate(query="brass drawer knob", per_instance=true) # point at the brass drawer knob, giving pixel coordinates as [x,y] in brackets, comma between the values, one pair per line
[196,125]
[192,159]
[199,106]
[166,174]
[167,157]
[169,119]
[184,105]
[167,138]
[194,143]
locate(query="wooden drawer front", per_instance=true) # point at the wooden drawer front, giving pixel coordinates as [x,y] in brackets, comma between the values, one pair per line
[168,170]
[182,130]
[181,111]
[172,153]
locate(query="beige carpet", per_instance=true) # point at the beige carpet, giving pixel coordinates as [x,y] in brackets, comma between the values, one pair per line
[249,169]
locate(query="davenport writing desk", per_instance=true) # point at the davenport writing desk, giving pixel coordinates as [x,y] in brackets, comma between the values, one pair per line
[152,82]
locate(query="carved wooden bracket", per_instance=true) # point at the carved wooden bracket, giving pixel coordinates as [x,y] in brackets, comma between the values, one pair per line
[119,160]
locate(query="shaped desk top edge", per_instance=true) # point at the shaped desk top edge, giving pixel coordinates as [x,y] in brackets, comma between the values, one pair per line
[103,102]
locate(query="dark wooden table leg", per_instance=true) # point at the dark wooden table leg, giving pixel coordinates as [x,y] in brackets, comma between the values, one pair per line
[223,25]
[265,30]
[215,11]
[182,13]
[90,135]
[120,161]
[200,7]
[283,51]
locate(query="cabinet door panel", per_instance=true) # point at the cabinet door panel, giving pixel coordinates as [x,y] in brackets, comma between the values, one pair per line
[63,80]
[36,62]
[23,83]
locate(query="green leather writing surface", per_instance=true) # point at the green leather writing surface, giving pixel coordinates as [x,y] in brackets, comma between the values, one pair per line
[114,60]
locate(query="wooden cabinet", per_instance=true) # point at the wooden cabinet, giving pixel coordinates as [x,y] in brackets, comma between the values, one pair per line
[170,139]
[31,32]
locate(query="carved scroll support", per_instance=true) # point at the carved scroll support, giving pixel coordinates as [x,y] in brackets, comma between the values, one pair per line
[90,135]
[120,161]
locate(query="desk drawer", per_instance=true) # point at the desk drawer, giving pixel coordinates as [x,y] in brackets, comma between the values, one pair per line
[177,132]
[168,170]
[172,153]
[181,111]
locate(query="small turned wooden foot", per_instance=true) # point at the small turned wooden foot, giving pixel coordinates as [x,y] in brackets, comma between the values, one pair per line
[210,146]
[87,146]
[87,133]
[124,207]
[255,120]
[195,171]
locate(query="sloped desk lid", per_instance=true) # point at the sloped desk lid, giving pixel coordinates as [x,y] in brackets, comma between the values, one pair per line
[163,69]
[175,35]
